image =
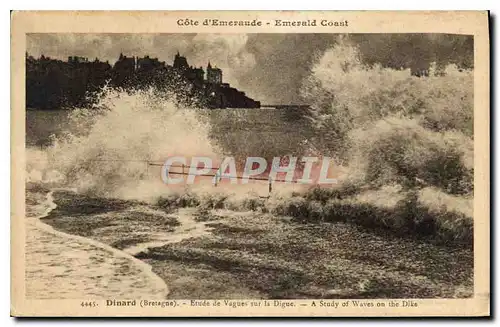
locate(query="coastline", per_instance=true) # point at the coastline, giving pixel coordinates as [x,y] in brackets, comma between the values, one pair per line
[151,285]
[255,255]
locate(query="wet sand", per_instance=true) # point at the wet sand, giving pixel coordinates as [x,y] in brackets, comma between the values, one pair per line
[255,255]
[228,254]
[63,266]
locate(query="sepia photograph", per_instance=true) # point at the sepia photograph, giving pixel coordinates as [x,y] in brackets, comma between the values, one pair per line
[246,170]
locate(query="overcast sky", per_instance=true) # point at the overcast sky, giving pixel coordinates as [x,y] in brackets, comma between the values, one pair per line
[268,67]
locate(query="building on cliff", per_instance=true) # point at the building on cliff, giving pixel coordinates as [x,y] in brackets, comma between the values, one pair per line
[216,93]
[214,75]
[52,84]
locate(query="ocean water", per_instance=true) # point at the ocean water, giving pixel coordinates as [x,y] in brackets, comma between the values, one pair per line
[88,178]
[82,158]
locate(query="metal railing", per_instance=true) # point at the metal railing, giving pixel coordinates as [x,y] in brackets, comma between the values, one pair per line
[217,175]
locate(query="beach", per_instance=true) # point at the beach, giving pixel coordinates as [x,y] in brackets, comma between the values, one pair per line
[229,254]
[65,266]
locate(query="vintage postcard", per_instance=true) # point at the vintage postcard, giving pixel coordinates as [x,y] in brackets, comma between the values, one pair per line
[312,164]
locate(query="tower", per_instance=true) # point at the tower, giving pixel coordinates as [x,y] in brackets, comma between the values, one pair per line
[214,75]
[180,62]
